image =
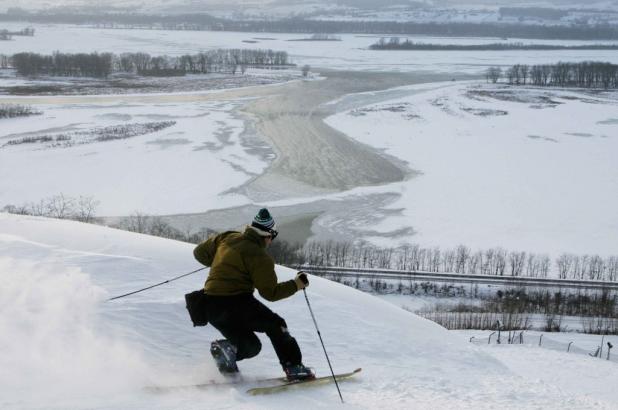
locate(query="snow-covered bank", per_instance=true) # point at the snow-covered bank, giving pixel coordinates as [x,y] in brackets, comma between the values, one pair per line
[60,272]
[521,168]
[183,168]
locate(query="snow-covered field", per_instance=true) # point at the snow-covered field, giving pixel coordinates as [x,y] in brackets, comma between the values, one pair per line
[522,168]
[351,53]
[182,168]
[497,166]
[529,171]
[64,346]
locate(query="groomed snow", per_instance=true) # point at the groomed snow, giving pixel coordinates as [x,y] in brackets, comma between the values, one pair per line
[65,346]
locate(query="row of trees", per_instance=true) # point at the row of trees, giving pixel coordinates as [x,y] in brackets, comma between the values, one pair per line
[220,60]
[586,74]
[198,21]
[101,65]
[65,65]
[591,267]
[8,35]
[494,261]
[17,110]
[395,43]
[61,206]
[534,12]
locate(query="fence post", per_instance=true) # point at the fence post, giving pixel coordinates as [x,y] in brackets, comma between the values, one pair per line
[541,339]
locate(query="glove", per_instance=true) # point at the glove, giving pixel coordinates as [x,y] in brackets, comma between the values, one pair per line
[301,280]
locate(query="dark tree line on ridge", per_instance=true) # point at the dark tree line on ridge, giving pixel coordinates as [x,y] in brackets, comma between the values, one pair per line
[586,74]
[101,65]
[395,43]
[200,21]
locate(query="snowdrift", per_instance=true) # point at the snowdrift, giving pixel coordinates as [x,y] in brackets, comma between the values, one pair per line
[63,345]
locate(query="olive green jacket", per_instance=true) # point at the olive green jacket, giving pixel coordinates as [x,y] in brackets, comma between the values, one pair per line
[239,264]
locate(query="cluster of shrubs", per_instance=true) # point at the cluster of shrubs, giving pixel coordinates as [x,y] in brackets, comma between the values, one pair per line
[102,134]
[17,110]
[81,208]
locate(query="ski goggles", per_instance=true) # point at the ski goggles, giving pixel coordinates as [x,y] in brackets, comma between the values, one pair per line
[273,233]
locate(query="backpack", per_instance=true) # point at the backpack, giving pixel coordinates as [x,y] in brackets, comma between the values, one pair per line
[197,306]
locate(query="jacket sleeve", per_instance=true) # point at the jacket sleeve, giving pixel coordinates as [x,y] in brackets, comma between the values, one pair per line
[205,251]
[262,272]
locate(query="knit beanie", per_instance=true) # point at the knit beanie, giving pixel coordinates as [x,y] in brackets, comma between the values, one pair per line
[263,221]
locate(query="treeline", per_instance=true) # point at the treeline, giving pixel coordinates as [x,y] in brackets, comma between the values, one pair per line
[158,226]
[534,12]
[8,35]
[200,21]
[101,65]
[17,110]
[462,259]
[64,65]
[591,267]
[494,261]
[395,43]
[587,74]
[82,208]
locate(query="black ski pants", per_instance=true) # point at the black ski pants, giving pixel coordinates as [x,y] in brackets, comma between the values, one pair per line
[238,317]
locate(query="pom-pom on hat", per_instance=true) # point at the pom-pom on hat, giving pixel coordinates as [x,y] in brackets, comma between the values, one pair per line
[264,222]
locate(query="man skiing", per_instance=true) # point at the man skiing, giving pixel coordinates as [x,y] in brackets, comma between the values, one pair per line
[239,264]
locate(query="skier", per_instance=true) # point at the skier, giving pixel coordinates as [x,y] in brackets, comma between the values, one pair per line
[238,265]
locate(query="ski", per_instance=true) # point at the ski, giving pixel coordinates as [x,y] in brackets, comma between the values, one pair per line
[215,383]
[312,382]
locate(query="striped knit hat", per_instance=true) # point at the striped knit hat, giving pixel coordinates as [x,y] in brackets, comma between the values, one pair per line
[264,222]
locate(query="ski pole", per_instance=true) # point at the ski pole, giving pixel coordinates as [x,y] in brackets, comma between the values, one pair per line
[154,286]
[322,342]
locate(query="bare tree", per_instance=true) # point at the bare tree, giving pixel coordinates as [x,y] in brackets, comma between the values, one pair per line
[305,70]
[493,74]
[86,209]
[60,206]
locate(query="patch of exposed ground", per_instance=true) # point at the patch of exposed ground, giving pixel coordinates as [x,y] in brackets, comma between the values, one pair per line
[136,84]
[314,154]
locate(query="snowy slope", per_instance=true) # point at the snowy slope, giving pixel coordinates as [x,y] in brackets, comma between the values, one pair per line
[63,346]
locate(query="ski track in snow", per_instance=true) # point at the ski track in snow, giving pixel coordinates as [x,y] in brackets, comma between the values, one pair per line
[60,338]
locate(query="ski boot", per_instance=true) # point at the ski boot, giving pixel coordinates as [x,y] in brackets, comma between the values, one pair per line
[298,372]
[224,354]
